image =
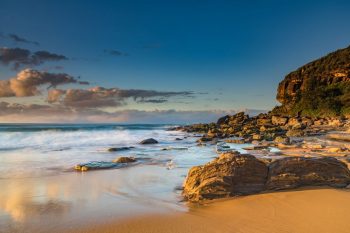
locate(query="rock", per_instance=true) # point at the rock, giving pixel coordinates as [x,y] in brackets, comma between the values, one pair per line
[277,120]
[306,121]
[97,165]
[280,139]
[205,139]
[113,149]
[298,126]
[236,141]
[223,120]
[149,141]
[319,122]
[257,137]
[293,172]
[309,82]
[293,121]
[335,150]
[295,133]
[339,136]
[313,146]
[229,175]
[263,121]
[124,160]
[257,147]
[211,134]
[336,123]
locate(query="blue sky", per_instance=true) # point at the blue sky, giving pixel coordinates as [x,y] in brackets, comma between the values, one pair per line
[230,54]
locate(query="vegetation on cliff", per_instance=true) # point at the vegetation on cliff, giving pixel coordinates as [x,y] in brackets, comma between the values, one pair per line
[319,88]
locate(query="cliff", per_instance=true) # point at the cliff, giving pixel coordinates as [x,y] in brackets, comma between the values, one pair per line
[319,88]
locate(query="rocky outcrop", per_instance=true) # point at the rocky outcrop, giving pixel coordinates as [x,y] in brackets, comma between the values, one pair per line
[295,172]
[235,174]
[241,128]
[229,175]
[327,78]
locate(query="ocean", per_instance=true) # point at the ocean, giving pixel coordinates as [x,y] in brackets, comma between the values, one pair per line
[38,182]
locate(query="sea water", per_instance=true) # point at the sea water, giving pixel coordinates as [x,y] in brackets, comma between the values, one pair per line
[41,191]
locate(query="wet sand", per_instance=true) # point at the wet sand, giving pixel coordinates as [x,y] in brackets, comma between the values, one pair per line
[319,210]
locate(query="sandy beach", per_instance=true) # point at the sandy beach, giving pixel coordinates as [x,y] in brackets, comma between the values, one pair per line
[319,210]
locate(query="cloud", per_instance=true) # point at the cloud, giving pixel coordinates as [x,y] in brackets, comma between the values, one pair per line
[18,57]
[52,113]
[116,53]
[98,97]
[28,81]
[19,39]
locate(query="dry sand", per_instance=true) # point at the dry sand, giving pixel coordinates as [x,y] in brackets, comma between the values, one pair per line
[320,210]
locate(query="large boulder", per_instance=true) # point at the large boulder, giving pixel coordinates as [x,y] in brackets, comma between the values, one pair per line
[229,175]
[234,174]
[293,172]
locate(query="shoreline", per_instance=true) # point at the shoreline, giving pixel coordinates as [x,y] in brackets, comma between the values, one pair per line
[301,210]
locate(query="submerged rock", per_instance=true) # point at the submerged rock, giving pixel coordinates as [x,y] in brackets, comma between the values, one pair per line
[113,149]
[229,175]
[293,172]
[96,165]
[149,141]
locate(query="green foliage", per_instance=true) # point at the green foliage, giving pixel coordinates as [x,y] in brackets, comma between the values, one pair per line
[324,101]
[318,91]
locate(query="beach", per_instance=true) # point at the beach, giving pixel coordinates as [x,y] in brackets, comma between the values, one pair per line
[302,211]
[42,192]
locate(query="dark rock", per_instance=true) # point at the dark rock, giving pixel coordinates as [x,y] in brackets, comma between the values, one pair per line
[229,175]
[293,172]
[205,139]
[223,120]
[120,148]
[149,141]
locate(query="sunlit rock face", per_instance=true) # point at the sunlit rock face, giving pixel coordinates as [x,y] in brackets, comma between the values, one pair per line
[329,76]
[229,175]
[234,174]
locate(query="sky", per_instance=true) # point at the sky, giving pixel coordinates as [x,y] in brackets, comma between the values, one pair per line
[144,61]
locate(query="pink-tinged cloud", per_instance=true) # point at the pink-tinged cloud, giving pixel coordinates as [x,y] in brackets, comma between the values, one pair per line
[28,81]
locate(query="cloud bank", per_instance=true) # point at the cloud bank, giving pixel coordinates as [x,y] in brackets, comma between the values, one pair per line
[47,113]
[18,57]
